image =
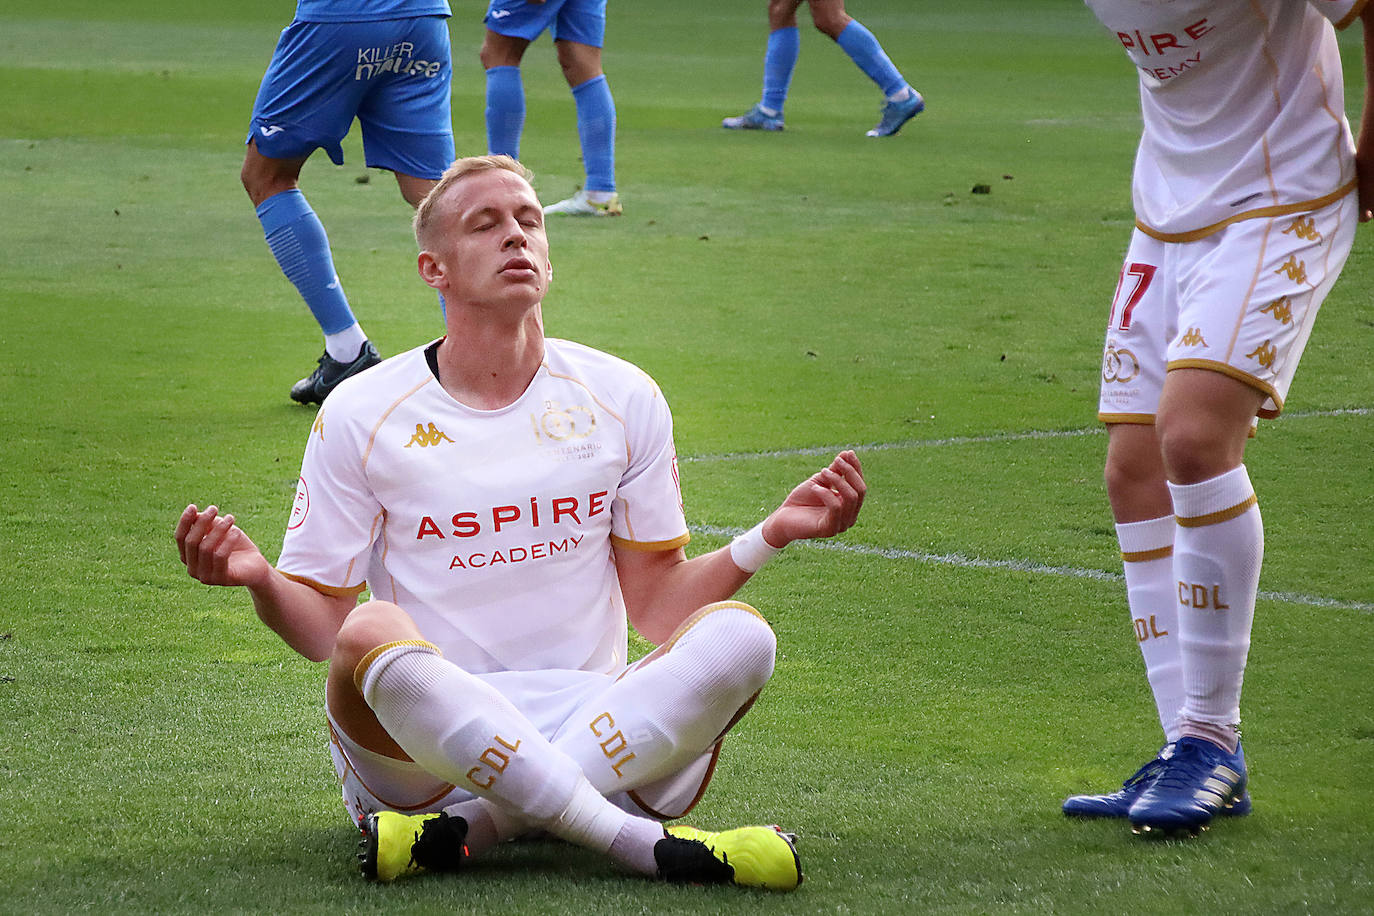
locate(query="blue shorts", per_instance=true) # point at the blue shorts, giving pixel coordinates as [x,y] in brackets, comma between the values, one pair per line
[582,21]
[393,76]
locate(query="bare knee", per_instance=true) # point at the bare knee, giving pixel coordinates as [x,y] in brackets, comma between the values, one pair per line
[413,189]
[829,17]
[1134,474]
[1204,422]
[263,177]
[1194,452]
[501,50]
[369,626]
[579,62]
[782,14]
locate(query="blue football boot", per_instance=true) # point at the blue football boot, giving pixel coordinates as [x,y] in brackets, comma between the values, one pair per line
[754,119]
[1118,803]
[1197,782]
[895,114]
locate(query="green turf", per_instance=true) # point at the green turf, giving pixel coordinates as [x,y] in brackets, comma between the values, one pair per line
[943,681]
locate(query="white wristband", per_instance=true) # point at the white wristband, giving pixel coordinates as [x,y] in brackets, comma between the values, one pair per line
[750,551]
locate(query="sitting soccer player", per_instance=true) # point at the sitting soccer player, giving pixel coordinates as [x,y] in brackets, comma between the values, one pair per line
[901,103]
[510,500]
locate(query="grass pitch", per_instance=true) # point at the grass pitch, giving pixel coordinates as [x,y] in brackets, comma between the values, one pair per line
[949,670]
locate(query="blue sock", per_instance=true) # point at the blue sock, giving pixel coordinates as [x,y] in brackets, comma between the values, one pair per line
[863,48]
[298,242]
[784,46]
[596,131]
[505,111]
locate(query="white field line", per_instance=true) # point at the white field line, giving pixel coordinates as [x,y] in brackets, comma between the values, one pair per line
[1029,566]
[978,440]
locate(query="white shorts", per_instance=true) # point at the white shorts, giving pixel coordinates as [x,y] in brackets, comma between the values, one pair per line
[374,782]
[1241,301]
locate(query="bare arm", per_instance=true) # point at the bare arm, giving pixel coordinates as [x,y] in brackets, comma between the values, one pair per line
[664,588]
[218,552]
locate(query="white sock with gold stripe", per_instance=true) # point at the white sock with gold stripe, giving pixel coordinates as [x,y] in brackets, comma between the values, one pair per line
[1218,549]
[1147,555]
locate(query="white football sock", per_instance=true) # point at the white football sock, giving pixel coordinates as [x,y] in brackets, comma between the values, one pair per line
[488,823]
[1147,550]
[344,346]
[1218,549]
[669,710]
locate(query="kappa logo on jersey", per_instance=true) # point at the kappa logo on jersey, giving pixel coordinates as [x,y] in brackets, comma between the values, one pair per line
[561,423]
[1192,338]
[1119,365]
[1304,228]
[318,428]
[1296,270]
[1264,354]
[270,131]
[1279,310]
[425,437]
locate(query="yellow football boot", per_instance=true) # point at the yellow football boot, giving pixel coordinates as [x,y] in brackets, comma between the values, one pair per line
[746,856]
[395,845]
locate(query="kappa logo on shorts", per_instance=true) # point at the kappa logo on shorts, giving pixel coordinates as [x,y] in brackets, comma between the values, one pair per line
[1304,228]
[1296,270]
[499,14]
[1279,310]
[1192,338]
[270,131]
[425,437]
[1264,354]
[1119,365]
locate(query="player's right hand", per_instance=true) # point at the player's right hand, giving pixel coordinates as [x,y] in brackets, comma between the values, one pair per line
[216,551]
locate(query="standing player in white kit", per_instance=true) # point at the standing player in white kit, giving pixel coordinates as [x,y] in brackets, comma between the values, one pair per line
[1248,186]
[509,500]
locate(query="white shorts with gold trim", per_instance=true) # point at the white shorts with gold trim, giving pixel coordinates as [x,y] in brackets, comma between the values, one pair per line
[1241,301]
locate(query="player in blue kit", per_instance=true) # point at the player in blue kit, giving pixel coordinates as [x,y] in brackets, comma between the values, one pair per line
[578,28]
[385,62]
[901,102]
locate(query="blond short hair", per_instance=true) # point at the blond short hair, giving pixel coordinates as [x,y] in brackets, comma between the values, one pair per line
[470,165]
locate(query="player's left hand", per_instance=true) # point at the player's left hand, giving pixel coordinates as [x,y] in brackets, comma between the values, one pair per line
[822,506]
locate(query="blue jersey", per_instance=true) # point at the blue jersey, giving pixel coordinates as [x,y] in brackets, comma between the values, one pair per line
[367,10]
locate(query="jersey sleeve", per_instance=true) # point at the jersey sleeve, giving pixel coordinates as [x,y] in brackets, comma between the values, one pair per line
[1341,12]
[336,516]
[647,513]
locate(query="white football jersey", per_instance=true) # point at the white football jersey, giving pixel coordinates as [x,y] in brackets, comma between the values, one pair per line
[492,528]
[1243,107]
